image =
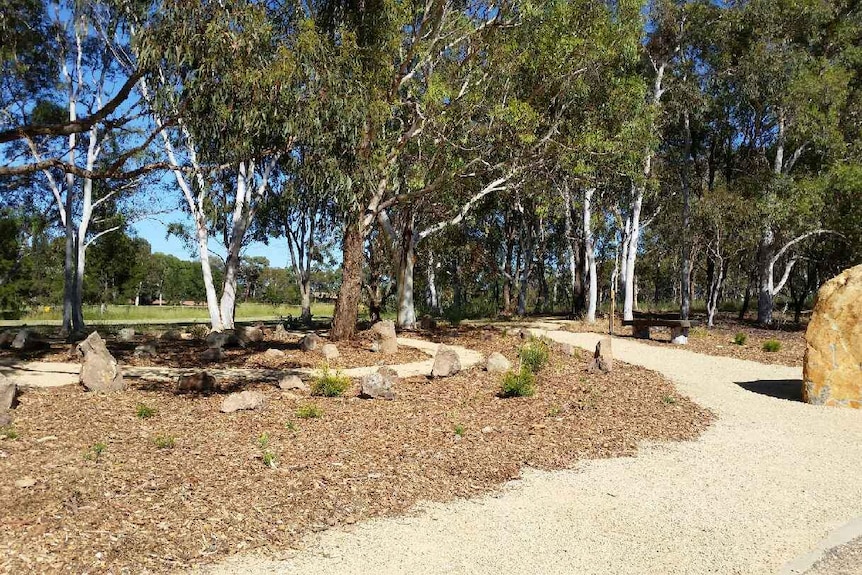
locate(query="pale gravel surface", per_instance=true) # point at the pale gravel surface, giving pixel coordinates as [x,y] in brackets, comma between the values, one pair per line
[843,560]
[762,486]
[57,374]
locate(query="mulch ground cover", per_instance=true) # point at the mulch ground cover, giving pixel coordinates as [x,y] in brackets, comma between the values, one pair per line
[112,491]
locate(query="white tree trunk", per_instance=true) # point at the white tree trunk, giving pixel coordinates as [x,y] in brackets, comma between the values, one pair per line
[631,250]
[590,256]
[433,298]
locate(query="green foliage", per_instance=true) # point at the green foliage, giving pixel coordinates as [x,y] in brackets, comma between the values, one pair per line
[269,459]
[8,432]
[309,411]
[290,426]
[740,338]
[199,331]
[95,451]
[165,441]
[459,430]
[263,440]
[518,384]
[669,399]
[534,355]
[771,346]
[329,384]
[144,412]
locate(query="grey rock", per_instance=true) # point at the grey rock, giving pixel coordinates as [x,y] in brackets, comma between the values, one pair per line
[8,393]
[446,362]
[222,339]
[292,382]
[330,352]
[126,334]
[379,385]
[310,342]
[497,363]
[212,354]
[603,359]
[243,400]
[145,350]
[27,340]
[171,335]
[384,334]
[6,418]
[200,382]
[247,335]
[6,339]
[273,353]
[99,371]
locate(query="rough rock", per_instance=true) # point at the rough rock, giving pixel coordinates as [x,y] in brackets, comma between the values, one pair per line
[292,382]
[569,349]
[243,400]
[27,340]
[379,385]
[280,334]
[6,339]
[171,335]
[330,352]
[274,353]
[8,393]
[310,342]
[6,418]
[384,335]
[25,482]
[222,339]
[427,323]
[497,363]
[446,362]
[212,354]
[200,382]
[145,350]
[99,371]
[126,334]
[603,358]
[833,343]
[249,334]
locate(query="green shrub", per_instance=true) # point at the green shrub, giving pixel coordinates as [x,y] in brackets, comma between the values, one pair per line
[8,432]
[269,459]
[165,441]
[669,399]
[330,384]
[518,384]
[740,338]
[459,430]
[290,426]
[145,412]
[263,440]
[771,345]
[698,332]
[308,411]
[95,451]
[534,354]
[199,331]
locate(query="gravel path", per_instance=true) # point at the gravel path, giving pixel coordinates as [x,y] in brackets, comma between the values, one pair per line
[762,486]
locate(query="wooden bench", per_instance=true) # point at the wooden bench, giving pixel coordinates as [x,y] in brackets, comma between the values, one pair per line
[642,322]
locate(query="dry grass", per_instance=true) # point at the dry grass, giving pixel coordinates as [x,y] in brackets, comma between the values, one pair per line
[142,505]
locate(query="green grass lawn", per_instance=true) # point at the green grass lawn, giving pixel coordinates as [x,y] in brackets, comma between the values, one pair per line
[123,314]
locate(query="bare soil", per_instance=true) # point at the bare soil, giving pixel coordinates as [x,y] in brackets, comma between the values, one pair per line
[107,497]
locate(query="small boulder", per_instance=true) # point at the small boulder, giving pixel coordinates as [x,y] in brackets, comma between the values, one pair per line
[292,382]
[171,335]
[27,340]
[243,400]
[8,394]
[379,385]
[249,334]
[427,323]
[273,353]
[385,336]
[280,334]
[6,418]
[126,334]
[222,339]
[330,352]
[99,371]
[446,362]
[310,342]
[200,382]
[212,354]
[569,349]
[497,363]
[6,339]
[25,482]
[145,350]
[603,359]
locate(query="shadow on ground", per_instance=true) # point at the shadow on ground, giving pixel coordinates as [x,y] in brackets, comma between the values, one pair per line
[790,389]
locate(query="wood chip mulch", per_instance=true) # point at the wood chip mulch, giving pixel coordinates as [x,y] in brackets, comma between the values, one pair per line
[108,498]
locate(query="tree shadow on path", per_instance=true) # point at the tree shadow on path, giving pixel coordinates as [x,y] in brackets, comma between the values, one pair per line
[789,389]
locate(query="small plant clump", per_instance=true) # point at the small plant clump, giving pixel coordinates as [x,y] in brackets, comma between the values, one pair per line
[330,384]
[269,459]
[309,411]
[740,338]
[290,426]
[165,441]
[263,440]
[534,355]
[95,451]
[266,455]
[771,345]
[199,331]
[459,430]
[554,410]
[518,384]
[669,399]
[8,432]
[145,412]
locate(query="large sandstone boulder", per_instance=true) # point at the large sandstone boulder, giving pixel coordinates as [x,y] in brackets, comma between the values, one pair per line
[384,337]
[446,362]
[833,350]
[8,393]
[603,358]
[99,371]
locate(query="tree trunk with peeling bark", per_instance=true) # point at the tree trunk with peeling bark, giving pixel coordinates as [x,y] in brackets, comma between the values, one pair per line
[347,304]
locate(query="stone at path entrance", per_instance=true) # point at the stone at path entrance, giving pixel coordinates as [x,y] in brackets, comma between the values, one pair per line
[497,363]
[603,359]
[379,385]
[243,400]
[200,382]
[27,340]
[385,337]
[126,334]
[99,371]
[679,335]
[833,343]
[292,382]
[330,352]
[8,392]
[446,362]
[310,342]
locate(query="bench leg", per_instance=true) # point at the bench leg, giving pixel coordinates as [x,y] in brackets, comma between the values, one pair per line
[679,335]
[640,331]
